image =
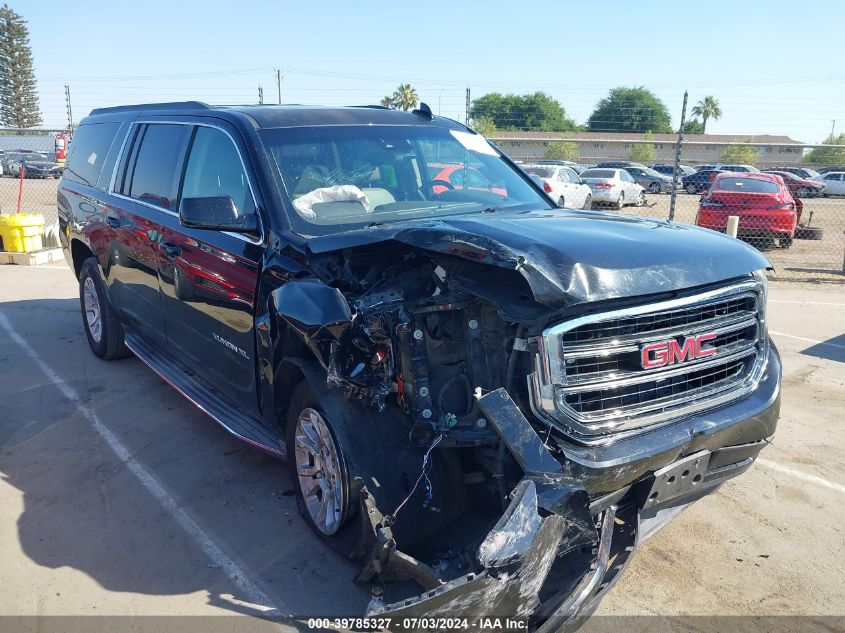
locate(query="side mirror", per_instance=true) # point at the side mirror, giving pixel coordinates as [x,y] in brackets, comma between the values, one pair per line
[215,213]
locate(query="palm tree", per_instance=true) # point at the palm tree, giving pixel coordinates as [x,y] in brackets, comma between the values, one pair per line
[405,97]
[387,102]
[707,108]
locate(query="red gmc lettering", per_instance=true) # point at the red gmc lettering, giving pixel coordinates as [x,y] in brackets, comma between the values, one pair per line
[672,352]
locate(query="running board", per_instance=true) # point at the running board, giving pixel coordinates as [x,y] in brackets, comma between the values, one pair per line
[219,409]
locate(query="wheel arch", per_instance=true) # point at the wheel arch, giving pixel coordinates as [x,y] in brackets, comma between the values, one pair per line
[79,252]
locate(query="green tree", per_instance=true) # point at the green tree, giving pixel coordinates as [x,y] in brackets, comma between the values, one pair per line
[405,97]
[387,102]
[630,110]
[484,126]
[18,95]
[562,150]
[828,155]
[741,154]
[531,112]
[693,126]
[643,152]
[707,108]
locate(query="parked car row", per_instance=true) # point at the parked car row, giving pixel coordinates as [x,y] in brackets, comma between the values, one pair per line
[33,165]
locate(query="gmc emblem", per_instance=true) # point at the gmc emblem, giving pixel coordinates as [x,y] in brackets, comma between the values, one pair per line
[673,352]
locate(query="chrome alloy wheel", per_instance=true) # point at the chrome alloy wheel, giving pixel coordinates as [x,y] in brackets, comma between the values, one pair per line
[93,316]
[319,470]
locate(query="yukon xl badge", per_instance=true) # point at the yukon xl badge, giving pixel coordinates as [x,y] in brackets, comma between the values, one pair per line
[673,352]
[230,345]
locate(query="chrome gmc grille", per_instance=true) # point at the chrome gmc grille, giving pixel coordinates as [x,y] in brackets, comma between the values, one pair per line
[600,375]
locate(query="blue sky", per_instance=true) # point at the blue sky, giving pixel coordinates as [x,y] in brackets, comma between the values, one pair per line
[774,66]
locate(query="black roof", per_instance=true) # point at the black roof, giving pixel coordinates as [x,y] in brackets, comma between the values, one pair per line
[271,116]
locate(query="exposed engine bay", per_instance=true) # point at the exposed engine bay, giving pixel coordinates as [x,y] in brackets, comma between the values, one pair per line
[460,486]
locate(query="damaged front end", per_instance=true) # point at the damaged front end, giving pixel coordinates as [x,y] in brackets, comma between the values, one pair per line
[546,562]
[428,342]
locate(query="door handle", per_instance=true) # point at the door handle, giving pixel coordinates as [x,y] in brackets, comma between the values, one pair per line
[171,250]
[113,222]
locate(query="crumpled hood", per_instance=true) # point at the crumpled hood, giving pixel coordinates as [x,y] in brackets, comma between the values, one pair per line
[571,257]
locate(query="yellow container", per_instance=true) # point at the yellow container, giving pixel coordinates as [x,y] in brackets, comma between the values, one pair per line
[21,233]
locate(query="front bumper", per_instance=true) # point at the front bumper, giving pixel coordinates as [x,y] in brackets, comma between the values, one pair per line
[557,550]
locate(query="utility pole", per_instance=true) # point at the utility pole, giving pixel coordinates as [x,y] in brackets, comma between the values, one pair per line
[832,127]
[677,159]
[466,119]
[279,83]
[69,111]
[260,95]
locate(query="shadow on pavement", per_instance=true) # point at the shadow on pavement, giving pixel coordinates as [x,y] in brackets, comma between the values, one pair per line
[84,509]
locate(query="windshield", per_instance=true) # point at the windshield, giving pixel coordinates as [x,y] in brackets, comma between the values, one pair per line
[598,173]
[543,172]
[32,157]
[748,185]
[340,177]
[812,173]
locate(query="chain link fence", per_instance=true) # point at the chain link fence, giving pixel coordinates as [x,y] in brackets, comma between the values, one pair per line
[782,206]
[797,218]
[29,171]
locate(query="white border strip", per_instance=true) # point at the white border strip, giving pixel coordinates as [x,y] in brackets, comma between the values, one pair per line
[808,340]
[813,479]
[200,536]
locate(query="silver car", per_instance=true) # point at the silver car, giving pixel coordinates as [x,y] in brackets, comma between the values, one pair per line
[613,186]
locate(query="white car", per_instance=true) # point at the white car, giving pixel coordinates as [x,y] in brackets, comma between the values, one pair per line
[562,184]
[613,186]
[834,181]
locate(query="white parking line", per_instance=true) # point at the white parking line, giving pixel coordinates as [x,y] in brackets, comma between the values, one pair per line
[815,479]
[202,538]
[808,340]
[809,303]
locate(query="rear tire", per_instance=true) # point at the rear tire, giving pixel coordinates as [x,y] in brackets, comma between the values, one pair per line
[620,202]
[561,202]
[99,318]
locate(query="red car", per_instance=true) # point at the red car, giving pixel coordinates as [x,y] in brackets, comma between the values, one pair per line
[799,187]
[763,203]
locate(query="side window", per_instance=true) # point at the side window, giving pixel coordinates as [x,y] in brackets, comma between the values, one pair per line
[215,169]
[91,143]
[155,174]
[573,177]
[563,176]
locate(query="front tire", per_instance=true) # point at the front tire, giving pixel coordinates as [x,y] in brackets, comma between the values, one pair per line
[691,188]
[588,202]
[323,475]
[99,318]
[654,188]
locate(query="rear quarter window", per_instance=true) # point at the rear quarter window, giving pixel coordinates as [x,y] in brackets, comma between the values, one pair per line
[88,150]
[747,185]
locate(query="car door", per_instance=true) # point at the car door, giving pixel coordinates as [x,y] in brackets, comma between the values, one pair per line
[574,190]
[145,192]
[834,184]
[209,277]
[628,185]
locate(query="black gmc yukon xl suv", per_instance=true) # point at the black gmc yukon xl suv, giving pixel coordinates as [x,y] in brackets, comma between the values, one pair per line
[475,390]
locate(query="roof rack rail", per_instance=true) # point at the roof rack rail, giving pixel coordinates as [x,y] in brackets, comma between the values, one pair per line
[373,106]
[170,105]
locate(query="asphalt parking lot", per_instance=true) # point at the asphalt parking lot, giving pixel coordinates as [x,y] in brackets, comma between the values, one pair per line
[117,496]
